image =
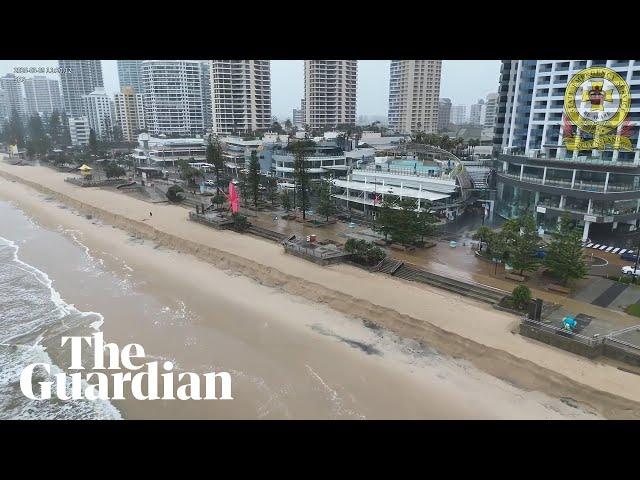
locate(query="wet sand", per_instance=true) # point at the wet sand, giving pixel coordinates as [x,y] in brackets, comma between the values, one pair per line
[450,324]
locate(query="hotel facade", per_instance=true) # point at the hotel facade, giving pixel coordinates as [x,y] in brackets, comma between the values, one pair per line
[240,96]
[414,91]
[330,92]
[172,97]
[537,173]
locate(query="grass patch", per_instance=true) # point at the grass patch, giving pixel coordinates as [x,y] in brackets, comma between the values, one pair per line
[633,310]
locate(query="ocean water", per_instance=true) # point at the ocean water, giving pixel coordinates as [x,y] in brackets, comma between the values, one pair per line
[32,311]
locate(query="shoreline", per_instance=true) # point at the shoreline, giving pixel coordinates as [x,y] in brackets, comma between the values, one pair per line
[491,347]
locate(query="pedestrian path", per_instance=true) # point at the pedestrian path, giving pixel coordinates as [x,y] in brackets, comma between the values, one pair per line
[605,248]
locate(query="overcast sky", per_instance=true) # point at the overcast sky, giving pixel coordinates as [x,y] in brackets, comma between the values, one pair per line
[464,81]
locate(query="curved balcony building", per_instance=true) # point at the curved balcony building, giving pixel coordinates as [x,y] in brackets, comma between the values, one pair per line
[591,191]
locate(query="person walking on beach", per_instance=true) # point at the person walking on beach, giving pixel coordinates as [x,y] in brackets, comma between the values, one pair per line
[150,214]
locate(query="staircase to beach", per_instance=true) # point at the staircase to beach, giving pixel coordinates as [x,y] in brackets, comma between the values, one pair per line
[413,273]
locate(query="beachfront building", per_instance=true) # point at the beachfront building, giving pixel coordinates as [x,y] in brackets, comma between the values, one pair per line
[97,109]
[240,96]
[330,92]
[172,97]
[323,158]
[367,187]
[599,189]
[129,113]
[236,152]
[79,131]
[78,78]
[12,96]
[42,95]
[414,89]
[130,74]
[155,151]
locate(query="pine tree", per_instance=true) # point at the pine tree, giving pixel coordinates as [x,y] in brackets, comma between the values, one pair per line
[326,205]
[15,129]
[93,142]
[214,157]
[286,201]
[523,243]
[301,173]
[565,258]
[55,129]
[253,179]
[272,190]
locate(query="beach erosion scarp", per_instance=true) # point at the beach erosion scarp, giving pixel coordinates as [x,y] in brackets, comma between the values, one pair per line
[452,325]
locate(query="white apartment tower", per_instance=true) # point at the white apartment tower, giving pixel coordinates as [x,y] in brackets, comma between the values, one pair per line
[330,92]
[414,91]
[172,97]
[12,93]
[240,95]
[78,78]
[97,110]
[42,95]
[129,113]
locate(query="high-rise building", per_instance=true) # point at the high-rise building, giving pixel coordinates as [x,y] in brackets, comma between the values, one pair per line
[444,114]
[130,74]
[172,97]
[4,111]
[490,108]
[458,114]
[129,113]
[78,78]
[240,95]
[330,92]
[79,130]
[414,89]
[42,95]
[543,171]
[97,110]
[477,113]
[205,78]
[13,98]
[298,115]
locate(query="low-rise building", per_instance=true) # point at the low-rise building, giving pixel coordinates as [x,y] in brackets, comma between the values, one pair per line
[79,130]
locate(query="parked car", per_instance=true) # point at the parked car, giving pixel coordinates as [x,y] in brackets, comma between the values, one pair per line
[629,270]
[629,255]
[210,183]
[541,253]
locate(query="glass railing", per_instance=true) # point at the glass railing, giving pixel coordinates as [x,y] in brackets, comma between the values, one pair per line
[578,185]
[581,159]
[583,210]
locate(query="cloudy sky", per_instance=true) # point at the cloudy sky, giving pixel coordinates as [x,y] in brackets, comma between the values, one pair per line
[464,81]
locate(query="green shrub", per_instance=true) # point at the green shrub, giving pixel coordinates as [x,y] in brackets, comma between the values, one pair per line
[521,297]
[633,309]
[175,193]
[364,252]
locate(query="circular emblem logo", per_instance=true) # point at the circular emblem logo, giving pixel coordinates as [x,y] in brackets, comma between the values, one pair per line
[597,100]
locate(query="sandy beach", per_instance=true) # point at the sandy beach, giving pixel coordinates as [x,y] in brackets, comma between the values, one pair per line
[256,288]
